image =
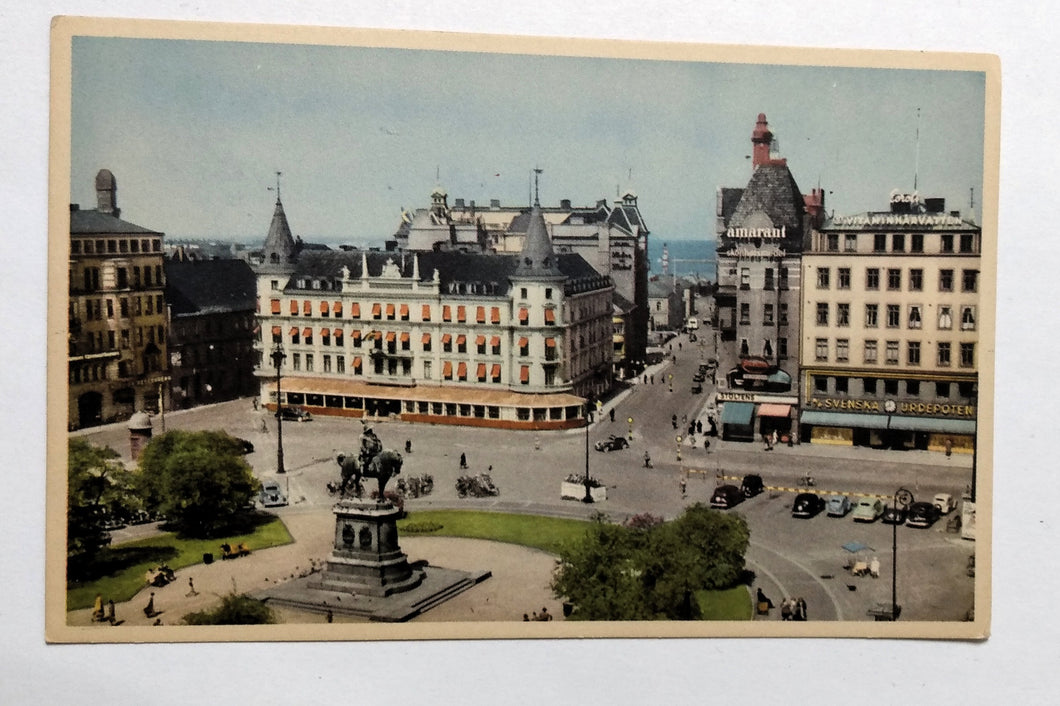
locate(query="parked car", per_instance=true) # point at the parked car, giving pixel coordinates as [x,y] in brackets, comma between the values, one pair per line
[612,443]
[868,509]
[246,446]
[752,485]
[807,505]
[699,377]
[838,505]
[295,414]
[893,515]
[922,515]
[726,496]
[697,388]
[945,502]
[271,495]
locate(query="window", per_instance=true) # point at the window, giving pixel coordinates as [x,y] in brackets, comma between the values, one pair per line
[842,350]
[296,361]
[783,313]
[426,370]
[548,292]
[872,312]
[842,385]
[872,278]
[522,292]
[822,313]
[890,387]
[969,280]
[943,354]
[745,278]
[783,277]
[869,385]
[327,363]
[843,278]
[892,352]
[967,355]
[914,316]
[447,343]
[767,349]
[769,278]
[894,316]
[945,280]
[309,362]
[524,347]
[879,242]
[820,383]
[967,318]
[916,280]
[340,364]
[822,349]
[842,314]
[942,390]
[945,318]
[894,279]
[767,314]
[480,344]
[745,313]
[823,278]
[913,352]
[870,351]
[461,344]
[916,242]
[123,305]
[833,242]
[782,347]
[966,389]
[967,242]
[912,388]
[947,243]
[898,242]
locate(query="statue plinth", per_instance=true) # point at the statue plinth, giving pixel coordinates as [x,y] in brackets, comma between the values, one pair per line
[366,558]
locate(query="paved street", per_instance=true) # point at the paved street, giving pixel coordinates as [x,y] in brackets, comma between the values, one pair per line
[791,557]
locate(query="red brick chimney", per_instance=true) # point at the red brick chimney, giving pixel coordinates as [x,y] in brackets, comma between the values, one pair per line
[762,138]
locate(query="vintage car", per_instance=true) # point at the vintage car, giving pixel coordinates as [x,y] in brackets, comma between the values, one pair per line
[612,443]
[726,496]
[868,509]
[807,505]
[294,414]
[752,485]
[945,502]
[838,505]
[271,495]
[922,515]
[893,515]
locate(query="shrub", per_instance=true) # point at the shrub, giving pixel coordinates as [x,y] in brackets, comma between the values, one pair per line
[234,609]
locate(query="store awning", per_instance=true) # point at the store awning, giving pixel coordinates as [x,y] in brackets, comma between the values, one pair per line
[779,376]
[844,419]
[767,409]
[737,413]
[934,424]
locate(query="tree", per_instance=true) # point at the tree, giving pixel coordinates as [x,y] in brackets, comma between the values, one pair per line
[98,487]
[199,480]
[649,570]
[234,609]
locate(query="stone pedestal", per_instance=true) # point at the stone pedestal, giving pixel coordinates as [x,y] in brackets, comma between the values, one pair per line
[366,559]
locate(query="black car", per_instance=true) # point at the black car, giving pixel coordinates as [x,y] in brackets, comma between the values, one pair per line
[893,515]
[697,388]
[612,443]
[807,505]
[294,414]
[922,515]
[245,445]
[752,485]
[699,377]
[726,496]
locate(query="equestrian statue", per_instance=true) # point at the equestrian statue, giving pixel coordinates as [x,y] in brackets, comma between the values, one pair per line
[371,461]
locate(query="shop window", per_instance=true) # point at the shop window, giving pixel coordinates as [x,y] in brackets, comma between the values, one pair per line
[842,385]
[942,390]
[820,383]
[966,389]
[890,387]
[493,411]
[450,409]
[868,385]
[912,388]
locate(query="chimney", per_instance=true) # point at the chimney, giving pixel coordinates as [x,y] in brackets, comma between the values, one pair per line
[495,203]
[458,203]
[107,193]
[761,138]
[564,204]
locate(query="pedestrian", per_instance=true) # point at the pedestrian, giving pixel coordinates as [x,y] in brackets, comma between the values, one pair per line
[490,469]
[149,609]
[191,587]
[463,460]
[699,426]
[645,382]
[706,445]
[526,618]
[544,615]
[408,446]
[97,609]
[653,379]
[330,617]
[683,484]
[264,427]
[800,609]
[691,429]
[673,420]
[785,609]
[678,345]
[256,404]
[774,439]
[949,447]
[110,612]
[647,460]
[612,413]
[764,604]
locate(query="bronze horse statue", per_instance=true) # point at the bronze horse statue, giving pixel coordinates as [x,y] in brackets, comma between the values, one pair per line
[373,461]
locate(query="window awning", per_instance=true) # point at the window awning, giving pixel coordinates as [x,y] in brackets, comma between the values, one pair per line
[307,332]
[550,316]
[324,332]
[390,336]
[404,311]
[355,310]
[390,310]
[356,335]
[294,331]
[495,372]
[447,369]
[844,419]
[294,307]
[495,314]
[307,308]
[404,338]
[480,314]
[426,339]
[337,333]
[447,337]
[767,409]
[324,308]
[357,362]
[934,424]
[336,308]
[550,343]
[495,341]
[524,373]
[461,313]
[480,340]
[276,306]
[737,413]
[461,340]
[426,313]
[481,371]
[524,314]
[461,370]
[377,309]
[523,342]
[276,331]
[447,313]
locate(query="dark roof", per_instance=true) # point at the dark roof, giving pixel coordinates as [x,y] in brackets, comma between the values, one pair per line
[95,222]
[621,303]
[453,267]
[772,190]
[537,258]
[730,199]
[627,218]
[279,240]
[209,286]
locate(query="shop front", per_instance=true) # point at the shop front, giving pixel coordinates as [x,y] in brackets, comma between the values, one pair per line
[888,431]
[747,416]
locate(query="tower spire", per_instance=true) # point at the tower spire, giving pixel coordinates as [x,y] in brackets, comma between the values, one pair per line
[537,173]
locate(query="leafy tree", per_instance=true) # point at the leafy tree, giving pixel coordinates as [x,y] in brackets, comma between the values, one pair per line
[198,479]
[98,487]
[234,609]
[651,570]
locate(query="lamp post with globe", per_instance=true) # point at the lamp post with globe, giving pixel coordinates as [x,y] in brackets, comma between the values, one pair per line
[278,356]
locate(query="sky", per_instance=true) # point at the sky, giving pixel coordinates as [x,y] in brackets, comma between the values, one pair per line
[194,132]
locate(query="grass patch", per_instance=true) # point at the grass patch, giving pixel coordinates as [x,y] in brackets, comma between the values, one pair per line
[546,533]
[729,604]
[119,571]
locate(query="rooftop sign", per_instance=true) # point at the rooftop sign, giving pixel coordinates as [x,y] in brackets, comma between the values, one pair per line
[776,233]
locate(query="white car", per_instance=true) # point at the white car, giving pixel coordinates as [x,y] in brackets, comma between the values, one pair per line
[945,502]
[271,495]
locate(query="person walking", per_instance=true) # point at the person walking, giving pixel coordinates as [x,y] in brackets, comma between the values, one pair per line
[647,460]
[463,460]
[110,612]
[149,609]
[408,446]
[612,413]
[683,484]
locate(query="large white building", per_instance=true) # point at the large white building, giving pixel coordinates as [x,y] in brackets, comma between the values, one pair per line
[506,340]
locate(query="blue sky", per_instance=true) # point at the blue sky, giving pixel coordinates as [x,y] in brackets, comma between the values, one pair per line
[194,132]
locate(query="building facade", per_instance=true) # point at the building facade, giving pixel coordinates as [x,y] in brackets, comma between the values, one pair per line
[211,306]
[118,362]
[504,340]
[761,230]
[667,305]
[890,342]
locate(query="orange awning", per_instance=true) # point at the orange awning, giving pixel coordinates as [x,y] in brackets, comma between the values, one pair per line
[390,336]
[461,340]
[496,371]
[523,342]
[324,332]
[356,335]
[550,343]
[405,337]
[447,313]
[390,310]
[337,333]
[461,313]
[426,339]
[480,314]
[307,308]
[447,369]
[767,409]
[447,337]
[426,312]
[404,311]
[276,306]
[495,341]
[307,332]
[480,340]
[495,313]
[294,330]
[294,307]
[524,373]
[356,362]
[376,309]
[336,308]
[355,310]
[481,371]
[524,314]
[324,309]
[550,316]
[276,331]
[461,370]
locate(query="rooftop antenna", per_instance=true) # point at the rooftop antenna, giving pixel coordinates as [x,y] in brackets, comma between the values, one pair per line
[971,198]
[916,165]
[277,189]
[537,173]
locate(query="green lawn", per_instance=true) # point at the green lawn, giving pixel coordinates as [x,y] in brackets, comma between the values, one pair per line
[549,534]
[121,568]
[730,604]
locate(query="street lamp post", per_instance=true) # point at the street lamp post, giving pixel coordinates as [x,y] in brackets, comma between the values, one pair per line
[630,420]
[902,499]
[278,356]
[588,493]
[679,447]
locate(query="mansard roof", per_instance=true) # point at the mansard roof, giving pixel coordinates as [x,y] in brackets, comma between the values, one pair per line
[93,222]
